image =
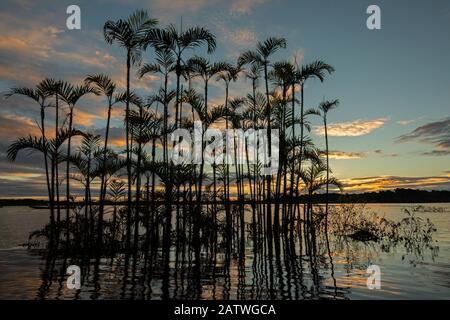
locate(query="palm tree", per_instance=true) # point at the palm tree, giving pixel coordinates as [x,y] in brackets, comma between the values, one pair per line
[227,76]
[165,65]
[104,85]
[71,97]
[46,146]
[201,67]
[142,124]
[130,34]
[39,96]
[83,160]
[314,180]
[58,89]
[177,43]
[207,118]
[264,50]
[316,69]
[325,107]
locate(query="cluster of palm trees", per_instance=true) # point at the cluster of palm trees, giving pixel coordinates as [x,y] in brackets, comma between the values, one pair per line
[142,186]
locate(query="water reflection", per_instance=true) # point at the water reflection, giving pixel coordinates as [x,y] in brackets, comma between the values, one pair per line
[237,261]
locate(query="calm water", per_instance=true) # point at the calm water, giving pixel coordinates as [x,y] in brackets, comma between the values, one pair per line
[420,275]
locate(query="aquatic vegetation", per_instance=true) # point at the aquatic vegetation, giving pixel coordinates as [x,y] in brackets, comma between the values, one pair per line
[412,233]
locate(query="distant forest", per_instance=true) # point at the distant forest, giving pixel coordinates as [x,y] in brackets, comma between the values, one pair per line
[388,196]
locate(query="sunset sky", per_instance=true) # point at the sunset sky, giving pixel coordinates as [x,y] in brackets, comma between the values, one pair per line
[392,128]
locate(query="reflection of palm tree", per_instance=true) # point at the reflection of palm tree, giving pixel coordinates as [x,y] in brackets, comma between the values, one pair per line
[324,107]
[130,34]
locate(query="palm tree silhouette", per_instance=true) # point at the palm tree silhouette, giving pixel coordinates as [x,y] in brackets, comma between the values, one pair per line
[165,65]
[227,76]
[130,34]
[71,96]
[316,69]
[264,50]
[324,108]
[83,159]
[58,89]
[105,86]
[178,42]
[201,67]
[40,96]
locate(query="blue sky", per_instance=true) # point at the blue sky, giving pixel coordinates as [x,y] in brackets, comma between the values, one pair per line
[390,130]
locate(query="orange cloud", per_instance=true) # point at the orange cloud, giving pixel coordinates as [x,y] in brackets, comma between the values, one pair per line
[13,126]
[343,155]
[85,119]
[352,128]
[377,183]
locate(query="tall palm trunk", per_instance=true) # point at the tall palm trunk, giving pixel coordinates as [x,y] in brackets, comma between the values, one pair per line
[300,158]
[291,206]
[138,187]
[103,179]
[328,173]
[268,177]
[56,162]
[47,177]
[166,118]
[69,141]
[127,136]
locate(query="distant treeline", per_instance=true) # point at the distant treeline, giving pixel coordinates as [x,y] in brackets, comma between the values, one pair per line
[388,196]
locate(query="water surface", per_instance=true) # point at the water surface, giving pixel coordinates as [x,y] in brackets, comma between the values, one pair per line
[418,275]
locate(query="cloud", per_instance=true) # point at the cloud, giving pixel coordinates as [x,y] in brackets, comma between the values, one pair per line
[180,5]
[116,136]
[436,153]
[382,153]
[436,133]
[245,6]
[241,37]
[13,126]
[351,129]
[377,183]
[343,155]
[405,122]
